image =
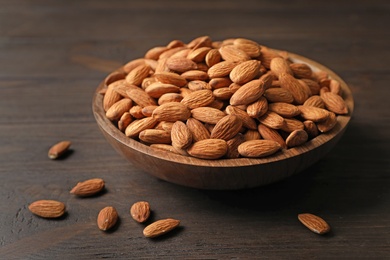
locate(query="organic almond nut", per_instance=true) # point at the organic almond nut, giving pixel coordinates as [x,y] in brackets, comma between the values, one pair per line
[252,135]
[118,108]
[88,187]
[278,95]
[155,136]
[201,41]
[257,108]
[175,43]
[171,97]
[315,101]
[180,65]
[296,138]
[284,109]
[197,129]
[218,104]
[217,83]
[334,103]
[250,47]
[232,53]
[137,75]
[107,218]
[258,148]
[148,110]
[171,78]
[171,111]
[271,134]
[213,57]
[124,121]
[328,124]
[297,90]
[314,223]
[221,69]
[314,114]
[195,75]
[147,82]
[110,97]
[279,65]
[310,128]
[169,148]
[208,149]
[335,87]
[222,93]
[267,55]
[301,70]
[291,124]
[59,149]
[245,71]
[207,114]
[160,227]
[155,52]
[114,76]
[248,93]
[313,86]
[140,97]
[171,52]
[157,89]
[272,120]
[199,98]
[246,120]
[137,126]
[47,208]
[181,136]
[140,211]
[226,128]
[199,54]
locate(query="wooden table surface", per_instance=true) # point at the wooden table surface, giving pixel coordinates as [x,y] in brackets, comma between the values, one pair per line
[53,54]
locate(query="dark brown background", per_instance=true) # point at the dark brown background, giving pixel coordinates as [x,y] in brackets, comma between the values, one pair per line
[53,54]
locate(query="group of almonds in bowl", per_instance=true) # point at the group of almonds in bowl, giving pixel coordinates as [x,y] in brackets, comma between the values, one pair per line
[236,96]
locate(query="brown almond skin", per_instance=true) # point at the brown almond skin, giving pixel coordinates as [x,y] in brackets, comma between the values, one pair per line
[47,208]
[315,223]
[59,149]
[88,188]
[258,148]
[208,149]
[107,218]
[160,227]
[140,211]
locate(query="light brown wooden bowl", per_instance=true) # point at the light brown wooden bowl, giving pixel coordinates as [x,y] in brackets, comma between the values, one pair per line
[225,174]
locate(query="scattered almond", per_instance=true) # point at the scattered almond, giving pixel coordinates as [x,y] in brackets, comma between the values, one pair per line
[140,211]
[314,223]
[107,218]
[88,187]
[59,149]
[160,227]
[47,208]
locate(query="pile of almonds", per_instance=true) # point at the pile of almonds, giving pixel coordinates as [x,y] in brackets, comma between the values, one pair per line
[221,99]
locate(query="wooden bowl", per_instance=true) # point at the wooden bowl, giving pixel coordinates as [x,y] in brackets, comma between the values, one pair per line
[225,174]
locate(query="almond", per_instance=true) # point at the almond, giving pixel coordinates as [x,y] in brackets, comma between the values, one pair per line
[171,78]
[334,103]
[284,109]
[258,148]
[58,150]
[267,55]
[226,128]
[291,124]
[279,65]
[314,114]
[136,112]
[199,54]
[169,148]
[248,93]
[171,111]
[252,135]
[221,69]
[107,218]
[157,89]
[180,64]
[197,129]
[110,97]
[88,187]
[232,53]
[140,211]
[290,83]
[170,97]
[246,120]
[301,70]
[137,75]
[47,208]
[327,124]
[137,126]
[199,98]
[251,48]
[208,149]
[257,108]
[315,223]
[140,97]
[272,120]
[278,95]
[313,86]
[296,138]
[213,57]
[155,136]
[232,151]
[310,128]
[124,121]
[155,52]
[245,71]
[207,114]
[160,227]
[217,83]
[195,75]
[118,108]
[114,76]
[271,134]
[315,101]
[180,135]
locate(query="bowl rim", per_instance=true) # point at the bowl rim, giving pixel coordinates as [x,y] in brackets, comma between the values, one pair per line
[107,126]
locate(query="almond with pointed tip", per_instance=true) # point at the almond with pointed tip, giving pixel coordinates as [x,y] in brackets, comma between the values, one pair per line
[334,103]
[107,218]
[245,71]
[47,208]
[140,211]
[208,149]
[160,227]
[258,148]
[59,149]
[315,223]
[227,127]
[88,187]
[248,93]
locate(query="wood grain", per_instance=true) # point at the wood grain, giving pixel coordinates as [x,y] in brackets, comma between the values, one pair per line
[53,54]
